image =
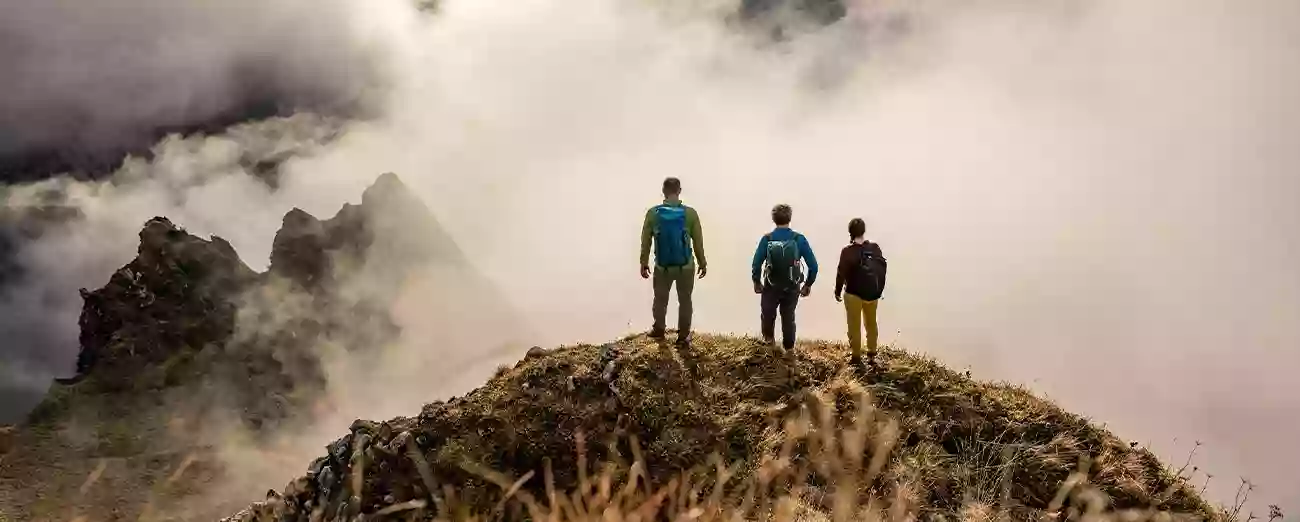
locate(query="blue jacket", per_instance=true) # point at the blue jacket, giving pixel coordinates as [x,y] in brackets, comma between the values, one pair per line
[781,234]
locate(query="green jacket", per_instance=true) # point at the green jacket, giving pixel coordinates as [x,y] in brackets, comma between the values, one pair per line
[692,227]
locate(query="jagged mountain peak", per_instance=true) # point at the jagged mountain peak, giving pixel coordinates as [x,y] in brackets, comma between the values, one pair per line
[145,314]
[186,330]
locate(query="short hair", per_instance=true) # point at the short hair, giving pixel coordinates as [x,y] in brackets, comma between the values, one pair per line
[672,186]
[781,214]
[857,228]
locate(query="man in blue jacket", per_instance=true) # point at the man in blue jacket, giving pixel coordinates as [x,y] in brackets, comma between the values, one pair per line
[779,277]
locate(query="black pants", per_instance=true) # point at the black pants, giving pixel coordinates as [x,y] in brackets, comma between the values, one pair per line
[783,300]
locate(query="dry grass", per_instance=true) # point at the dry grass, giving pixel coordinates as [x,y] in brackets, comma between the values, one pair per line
[784,438]
[838,479]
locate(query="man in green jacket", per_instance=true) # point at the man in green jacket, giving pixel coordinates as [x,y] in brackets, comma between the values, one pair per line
[678,239]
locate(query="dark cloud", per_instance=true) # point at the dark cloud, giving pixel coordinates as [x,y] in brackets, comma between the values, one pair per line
[87,82]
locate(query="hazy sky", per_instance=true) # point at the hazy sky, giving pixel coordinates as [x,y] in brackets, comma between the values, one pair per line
[1094,198]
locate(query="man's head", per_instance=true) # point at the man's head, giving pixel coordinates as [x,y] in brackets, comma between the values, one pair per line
[857,228]
[781,215]
[672,188]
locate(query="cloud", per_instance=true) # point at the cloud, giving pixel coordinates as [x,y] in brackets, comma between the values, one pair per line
[1095,199]
[88,83]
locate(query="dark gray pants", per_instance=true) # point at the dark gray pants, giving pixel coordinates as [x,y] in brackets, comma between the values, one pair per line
[784,301]
[664,278]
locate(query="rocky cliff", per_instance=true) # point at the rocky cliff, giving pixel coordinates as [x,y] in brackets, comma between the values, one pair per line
[186,332]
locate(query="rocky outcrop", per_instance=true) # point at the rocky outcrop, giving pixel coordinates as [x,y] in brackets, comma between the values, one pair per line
[188,312]
[186,338]
[180,293]
[375,242]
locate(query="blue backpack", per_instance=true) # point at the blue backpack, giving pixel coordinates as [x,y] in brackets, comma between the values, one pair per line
[672,244]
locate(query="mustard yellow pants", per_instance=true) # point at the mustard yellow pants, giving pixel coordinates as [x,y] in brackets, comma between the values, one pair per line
[861,313]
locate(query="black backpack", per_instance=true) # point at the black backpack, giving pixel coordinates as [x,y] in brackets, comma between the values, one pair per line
[784,270]
[872,267]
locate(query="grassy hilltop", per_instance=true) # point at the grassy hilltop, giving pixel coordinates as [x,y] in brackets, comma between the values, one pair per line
[611,425]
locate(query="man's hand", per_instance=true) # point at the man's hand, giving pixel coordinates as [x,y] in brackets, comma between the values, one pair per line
[807,289]
[839,298]
[704,270]
[758,288]
[645,272]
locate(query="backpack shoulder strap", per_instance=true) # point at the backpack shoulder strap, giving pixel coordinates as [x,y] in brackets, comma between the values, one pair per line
[875,250]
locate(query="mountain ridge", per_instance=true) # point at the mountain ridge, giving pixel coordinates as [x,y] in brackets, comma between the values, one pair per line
[186,338]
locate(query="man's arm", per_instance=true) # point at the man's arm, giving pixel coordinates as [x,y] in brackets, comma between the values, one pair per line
[759,255]
[697,237]
[647,232]
[809,258]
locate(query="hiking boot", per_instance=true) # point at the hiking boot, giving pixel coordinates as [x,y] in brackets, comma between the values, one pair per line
[656,334]
[684,341]
[789,356]
[857,363]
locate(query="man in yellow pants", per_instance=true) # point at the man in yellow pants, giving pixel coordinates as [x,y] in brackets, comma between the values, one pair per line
[859,283]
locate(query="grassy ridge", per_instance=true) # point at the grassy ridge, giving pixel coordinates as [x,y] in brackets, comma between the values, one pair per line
[922,442]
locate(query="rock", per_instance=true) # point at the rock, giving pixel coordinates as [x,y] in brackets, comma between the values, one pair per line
[298,251]
[360,444]
[339,450]
[327,481]
[298,489]
[316,467]
[399,443]
[179,292]
[609,358]
[364,426]
[608,352]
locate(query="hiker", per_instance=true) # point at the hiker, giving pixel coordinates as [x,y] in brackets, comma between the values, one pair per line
[861,279]
[678,240]
[779,278]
